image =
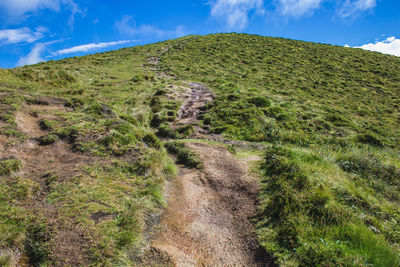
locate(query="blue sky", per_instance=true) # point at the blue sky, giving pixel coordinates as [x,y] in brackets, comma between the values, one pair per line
[39,30]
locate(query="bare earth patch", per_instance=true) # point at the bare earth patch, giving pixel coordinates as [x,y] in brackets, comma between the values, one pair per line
[207,222]
[38,162]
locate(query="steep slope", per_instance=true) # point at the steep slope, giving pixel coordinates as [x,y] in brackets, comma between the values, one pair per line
[81,169]
[83,154]
[315,93]
[210,204]
[331,117]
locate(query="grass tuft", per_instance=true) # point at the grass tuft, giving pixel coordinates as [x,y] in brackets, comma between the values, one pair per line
[8,166]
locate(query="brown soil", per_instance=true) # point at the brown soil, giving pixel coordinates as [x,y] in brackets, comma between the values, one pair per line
[198,97]
[28,124]
[195,97]
[37,163]
[39,160]
[207,219]
[207,222]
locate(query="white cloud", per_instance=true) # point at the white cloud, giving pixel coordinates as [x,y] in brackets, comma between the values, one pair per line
[22,35]
[35,56]
[297,8]
[89,47]
[127,26]
[19,9]
[235,13]
[390,45]
[355,8]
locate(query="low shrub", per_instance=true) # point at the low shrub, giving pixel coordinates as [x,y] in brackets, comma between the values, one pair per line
[260,101]
[8,166]
[274,111]
[36,246]
[100,110]
[160,92]
[186,130]
[155,104]
[74,103]
[370,138]
[69,133]
[184,155]
[152,140]
[164,131]
[45,124]
[138,78]
[157,119]
[373,173]
[369,166]
[47,139]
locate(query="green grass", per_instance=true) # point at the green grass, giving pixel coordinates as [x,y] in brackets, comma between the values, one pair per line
[267,83]
[331,175]
[9,166]
[108,118]
[329,116]
[183,154]
[315,215]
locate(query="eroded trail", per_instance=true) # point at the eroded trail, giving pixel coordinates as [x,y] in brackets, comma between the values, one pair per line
[199,96]
[195,102]
[207,222]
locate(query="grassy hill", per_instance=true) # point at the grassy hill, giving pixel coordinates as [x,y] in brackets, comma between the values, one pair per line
[316,93]
[327,116]
[330,192]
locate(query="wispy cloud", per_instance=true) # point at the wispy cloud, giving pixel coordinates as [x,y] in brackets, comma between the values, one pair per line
[22,35]
[298,8]
[89,47]
[390,45]
[355,8]
[35,56]
[235,13]
[21,9]
[127,27]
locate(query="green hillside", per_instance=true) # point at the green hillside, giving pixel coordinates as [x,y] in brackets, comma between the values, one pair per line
[327,117]
[319,93]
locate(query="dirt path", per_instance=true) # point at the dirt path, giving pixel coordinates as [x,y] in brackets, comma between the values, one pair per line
[194,104]
[207,222]
[199,96]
